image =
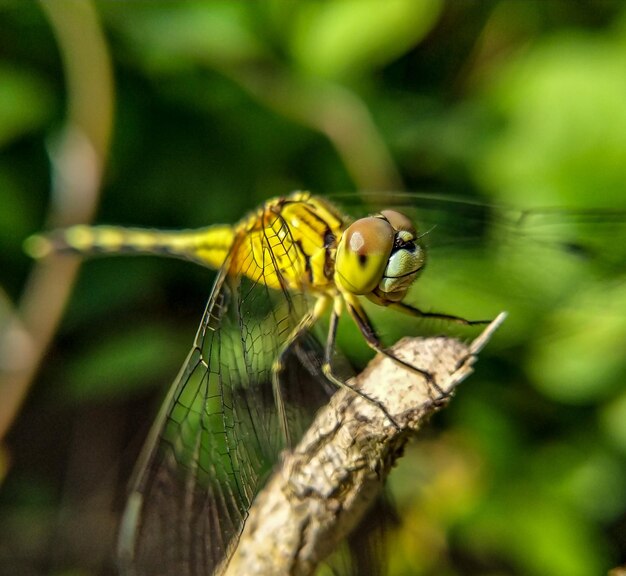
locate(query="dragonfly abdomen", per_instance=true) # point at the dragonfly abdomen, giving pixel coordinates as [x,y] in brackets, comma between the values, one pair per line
[207,246]
[289,243]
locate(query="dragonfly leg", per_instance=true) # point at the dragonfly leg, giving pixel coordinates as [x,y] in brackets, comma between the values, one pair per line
[413,311]
[304,324]
[373,341]
[328,369]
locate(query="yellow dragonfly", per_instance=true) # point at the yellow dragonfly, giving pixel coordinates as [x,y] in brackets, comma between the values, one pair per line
[230,410]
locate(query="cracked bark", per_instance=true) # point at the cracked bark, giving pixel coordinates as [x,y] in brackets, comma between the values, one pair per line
[323,487]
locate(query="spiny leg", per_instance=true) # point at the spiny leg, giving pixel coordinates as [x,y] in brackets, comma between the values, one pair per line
[279,362]
[327,366]
[373,341]
[416,312]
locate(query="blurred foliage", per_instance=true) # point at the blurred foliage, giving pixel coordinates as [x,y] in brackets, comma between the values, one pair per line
[222,104]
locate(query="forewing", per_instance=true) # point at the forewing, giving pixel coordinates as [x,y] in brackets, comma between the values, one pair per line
[483,258]
[462,224]
[218,433]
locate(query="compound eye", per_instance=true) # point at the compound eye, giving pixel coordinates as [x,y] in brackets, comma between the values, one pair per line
[399,221]
[363,253]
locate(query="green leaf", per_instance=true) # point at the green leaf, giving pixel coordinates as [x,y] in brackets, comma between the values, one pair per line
[335,38]
[613,421]
[563,140]
[132,361]
[580,356]
[539,535]
[25,103]
[176,36]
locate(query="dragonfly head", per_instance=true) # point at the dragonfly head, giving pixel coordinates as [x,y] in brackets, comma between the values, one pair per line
[379,257]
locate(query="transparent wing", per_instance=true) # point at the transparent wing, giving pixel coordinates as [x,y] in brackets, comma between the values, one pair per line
[460,223]
[218,435]
[537,264]
[365,551]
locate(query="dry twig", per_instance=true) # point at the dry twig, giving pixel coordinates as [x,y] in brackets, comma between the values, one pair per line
[325,485]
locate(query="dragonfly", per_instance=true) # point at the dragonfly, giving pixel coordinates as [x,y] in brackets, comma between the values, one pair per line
[257,364]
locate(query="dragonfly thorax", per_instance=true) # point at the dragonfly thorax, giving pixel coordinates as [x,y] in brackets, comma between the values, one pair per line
[379,257]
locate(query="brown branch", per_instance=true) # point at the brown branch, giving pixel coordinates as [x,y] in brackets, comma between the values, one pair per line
[325,485]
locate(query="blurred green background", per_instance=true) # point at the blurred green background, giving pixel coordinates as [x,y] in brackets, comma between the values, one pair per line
[181,114]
